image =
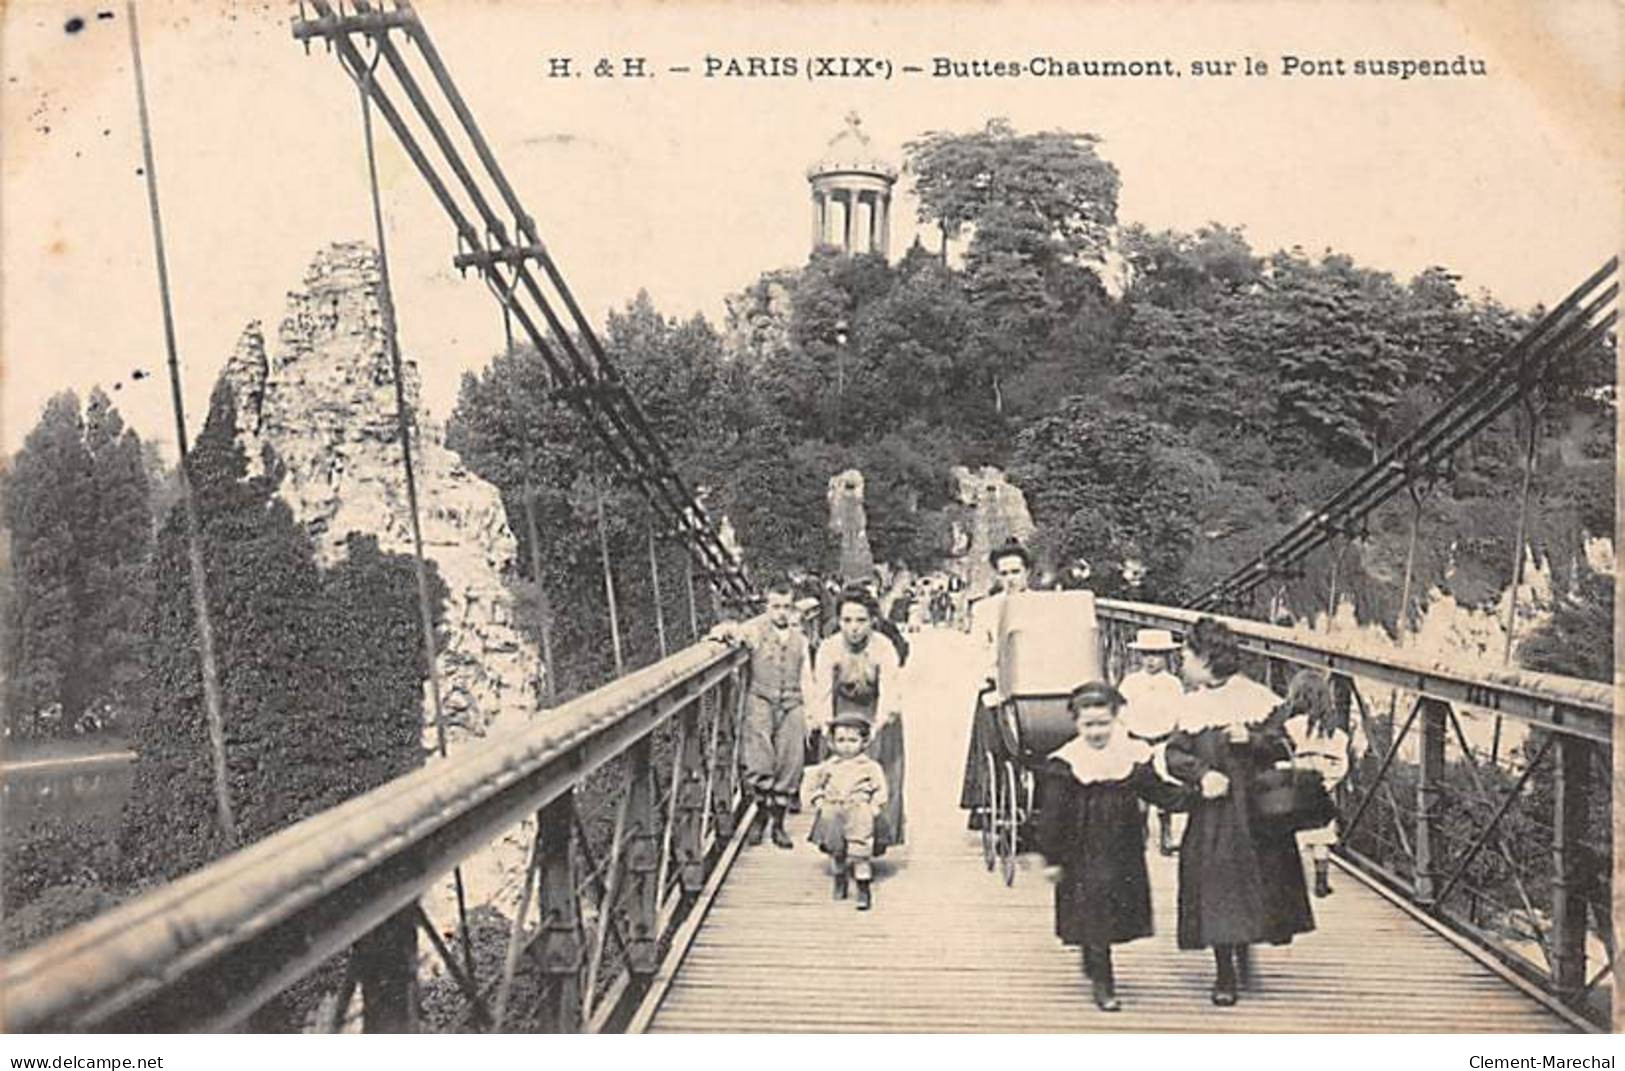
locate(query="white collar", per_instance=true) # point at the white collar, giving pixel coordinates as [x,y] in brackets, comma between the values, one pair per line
[1238,701]
[1110,763]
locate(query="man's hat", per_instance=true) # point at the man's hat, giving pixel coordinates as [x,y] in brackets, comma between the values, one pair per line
[1095,694]
[1011,546]
[850,720]
[1154,639]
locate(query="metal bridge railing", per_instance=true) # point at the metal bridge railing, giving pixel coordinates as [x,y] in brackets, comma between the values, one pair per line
[1500,837]
[635,800]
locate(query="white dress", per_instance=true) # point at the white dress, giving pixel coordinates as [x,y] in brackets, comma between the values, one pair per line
[1153,700]
[1329,755]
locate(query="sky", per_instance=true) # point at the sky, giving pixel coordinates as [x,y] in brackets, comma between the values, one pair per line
[690,187]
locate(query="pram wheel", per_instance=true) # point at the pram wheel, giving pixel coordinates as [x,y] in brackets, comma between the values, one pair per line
[1010,830]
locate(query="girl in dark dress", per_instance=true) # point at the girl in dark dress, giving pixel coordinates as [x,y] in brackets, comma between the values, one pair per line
[1239,883]
[1093,835]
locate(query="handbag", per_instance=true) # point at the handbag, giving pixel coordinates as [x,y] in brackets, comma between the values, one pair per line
[1291,797]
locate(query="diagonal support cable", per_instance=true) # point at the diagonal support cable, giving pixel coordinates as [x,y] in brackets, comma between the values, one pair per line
[403,428]
[588,380]
[1565,331]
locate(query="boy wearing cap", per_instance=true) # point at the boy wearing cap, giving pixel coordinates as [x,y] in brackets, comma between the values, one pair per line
[847,792]
[1151,699]
[1092,834]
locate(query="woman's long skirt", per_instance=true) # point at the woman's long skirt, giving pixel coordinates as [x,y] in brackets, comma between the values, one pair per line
[887,749]
[984,737]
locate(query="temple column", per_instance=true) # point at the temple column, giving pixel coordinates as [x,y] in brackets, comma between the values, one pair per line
[817,220]
[850,221]
[883,210]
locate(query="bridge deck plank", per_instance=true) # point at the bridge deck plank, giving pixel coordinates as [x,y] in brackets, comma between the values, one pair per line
[949,948]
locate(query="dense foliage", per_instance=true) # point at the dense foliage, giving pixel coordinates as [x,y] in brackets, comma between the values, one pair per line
[76,505]
[1177,400]
[321,670]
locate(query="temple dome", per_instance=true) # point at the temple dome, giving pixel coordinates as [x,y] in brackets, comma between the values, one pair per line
[851,152]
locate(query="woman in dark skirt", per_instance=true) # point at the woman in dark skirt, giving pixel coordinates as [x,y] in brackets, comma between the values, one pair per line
[855,672]
[1091,830]
[1013,567]
[1240,883]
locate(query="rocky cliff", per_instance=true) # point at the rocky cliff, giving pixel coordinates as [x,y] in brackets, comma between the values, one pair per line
[321,400]
[849,522]
[319,404]
[990,511]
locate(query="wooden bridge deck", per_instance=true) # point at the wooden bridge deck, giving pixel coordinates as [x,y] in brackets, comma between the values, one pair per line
[949,948]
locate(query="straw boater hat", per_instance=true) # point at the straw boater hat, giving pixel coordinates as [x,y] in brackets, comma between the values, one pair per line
[1154,639]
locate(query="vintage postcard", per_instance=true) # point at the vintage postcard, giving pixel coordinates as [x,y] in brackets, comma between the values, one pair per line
[827,517]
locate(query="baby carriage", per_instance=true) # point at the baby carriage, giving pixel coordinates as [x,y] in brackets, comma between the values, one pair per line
[1048,644]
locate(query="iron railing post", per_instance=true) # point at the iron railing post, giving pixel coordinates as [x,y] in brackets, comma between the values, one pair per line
[641,896]
[689,791]
[725,772]
[1429,794]
[1571,804]
[386,964]
[560,945]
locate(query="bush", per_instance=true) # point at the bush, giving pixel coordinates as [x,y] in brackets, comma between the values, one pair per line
[54,910]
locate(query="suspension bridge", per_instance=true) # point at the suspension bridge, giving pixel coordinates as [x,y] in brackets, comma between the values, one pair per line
[663,919]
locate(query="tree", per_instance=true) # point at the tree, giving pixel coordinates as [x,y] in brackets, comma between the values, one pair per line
[1578,641]
[45,510]
[320,673]
[1174,270]
[118,568]
[1106,487]
[1051,186]
[1040,208]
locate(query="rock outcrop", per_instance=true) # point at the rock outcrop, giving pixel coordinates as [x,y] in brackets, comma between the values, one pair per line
[849,522]
[990,511]
[320,404]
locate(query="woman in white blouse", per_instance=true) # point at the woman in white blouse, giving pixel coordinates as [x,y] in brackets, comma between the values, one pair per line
[855,672]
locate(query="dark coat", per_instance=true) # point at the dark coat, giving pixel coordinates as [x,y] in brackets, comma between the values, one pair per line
[1096,834]
[1238,883]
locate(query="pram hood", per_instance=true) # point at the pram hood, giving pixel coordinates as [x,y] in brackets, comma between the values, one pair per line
[1048,643]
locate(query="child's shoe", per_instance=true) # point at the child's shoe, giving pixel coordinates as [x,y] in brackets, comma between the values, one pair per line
[1105,996]
[758,826]
[865,897]
[1323,880]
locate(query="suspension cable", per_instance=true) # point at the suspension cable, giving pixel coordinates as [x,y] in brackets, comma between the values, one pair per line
[403,428]
[212,701]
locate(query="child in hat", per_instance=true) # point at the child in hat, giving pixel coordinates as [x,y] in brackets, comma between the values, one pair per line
[1320,741]
[1092,834]
[847,792]
[1151,698]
